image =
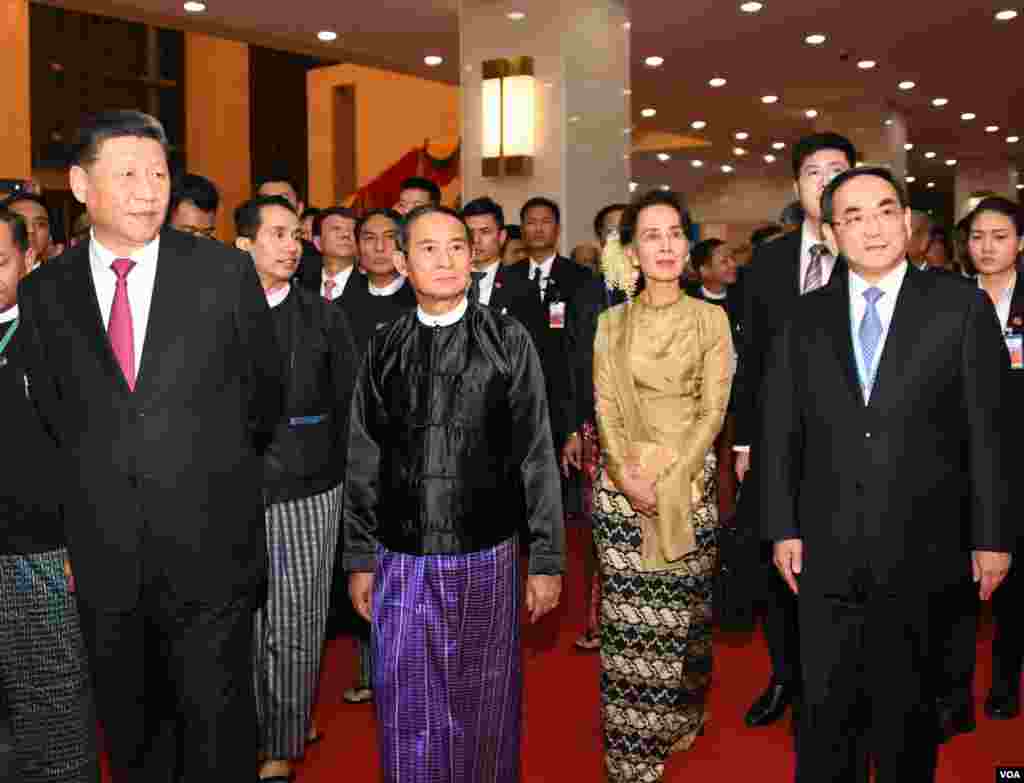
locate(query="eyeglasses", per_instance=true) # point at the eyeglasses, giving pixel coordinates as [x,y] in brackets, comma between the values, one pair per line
[885,216]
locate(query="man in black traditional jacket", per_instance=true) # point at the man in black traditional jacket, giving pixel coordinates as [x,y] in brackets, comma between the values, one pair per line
[449,451]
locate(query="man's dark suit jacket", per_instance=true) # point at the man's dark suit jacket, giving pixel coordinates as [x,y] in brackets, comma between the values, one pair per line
[367,313]
[165,480]
[905,487]
[733,306]
[563,352]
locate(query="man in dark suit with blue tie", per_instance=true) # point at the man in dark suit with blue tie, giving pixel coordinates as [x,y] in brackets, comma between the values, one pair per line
[154,363]
[885,480]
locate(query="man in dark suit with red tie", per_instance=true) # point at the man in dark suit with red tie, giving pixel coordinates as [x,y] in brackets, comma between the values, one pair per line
[154,363]
[885,481]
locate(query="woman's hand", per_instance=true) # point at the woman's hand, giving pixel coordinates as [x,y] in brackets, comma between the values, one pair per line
[641,493]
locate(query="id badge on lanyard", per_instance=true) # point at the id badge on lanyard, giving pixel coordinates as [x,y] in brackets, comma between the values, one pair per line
[1015,345]
[556,315]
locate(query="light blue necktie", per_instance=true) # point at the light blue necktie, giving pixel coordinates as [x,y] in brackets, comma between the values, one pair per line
[870,334]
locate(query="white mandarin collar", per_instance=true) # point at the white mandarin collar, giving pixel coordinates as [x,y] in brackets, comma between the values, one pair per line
[277,296]
[713,296]
[389,289]
[445,319]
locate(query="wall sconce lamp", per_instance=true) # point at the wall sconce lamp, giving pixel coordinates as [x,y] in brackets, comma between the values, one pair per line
[509,117]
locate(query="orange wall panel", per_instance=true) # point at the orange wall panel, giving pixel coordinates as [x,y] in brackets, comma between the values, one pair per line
[15,127]
[393,114]
[217,120]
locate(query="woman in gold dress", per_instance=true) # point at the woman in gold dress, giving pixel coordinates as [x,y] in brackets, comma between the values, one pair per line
[663,366]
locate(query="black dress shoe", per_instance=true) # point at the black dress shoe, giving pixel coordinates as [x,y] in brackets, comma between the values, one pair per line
[955,719]
[1003,703]
[770,705]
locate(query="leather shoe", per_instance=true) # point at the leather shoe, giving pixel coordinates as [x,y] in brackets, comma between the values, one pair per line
[770,705]
[1003,703]
[955,719]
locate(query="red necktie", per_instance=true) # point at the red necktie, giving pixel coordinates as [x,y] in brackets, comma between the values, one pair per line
[119,328]
[329,286]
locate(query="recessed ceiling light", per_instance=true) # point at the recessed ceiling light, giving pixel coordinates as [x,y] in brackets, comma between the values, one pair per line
[574,118]
[648,112]
[433,60]
[908,146]
[327,35]
[665,187]
[727,169]
[654,62]
[632,186]
[911,179]
[1012,139]
[866,65]
[627,92]
[696,163]
[816,39]
[811,114]
[929,155]
[779,145]
[967,116]
[698,125]
[906,85]
[930,185]
[741,135]
[663,156]
[738,151]
[951,162]
[940,101]
[717,81]
[627,26]
[888,123]
[1020,186]
[195,7]
[769,98]
[751,7]
[516,16]
[991,129]
[769,158]
[1006,16]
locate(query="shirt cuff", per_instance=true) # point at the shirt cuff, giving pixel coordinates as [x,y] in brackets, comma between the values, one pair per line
[741,449]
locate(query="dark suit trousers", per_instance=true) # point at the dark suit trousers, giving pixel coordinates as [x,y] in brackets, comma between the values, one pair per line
[866,689]
[956,634]
[777,602]
[174,688]
[1008,642]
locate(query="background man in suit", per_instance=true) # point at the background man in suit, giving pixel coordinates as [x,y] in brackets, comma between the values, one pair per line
[194,202]
[417,192]
[781,271]
[153,361]
[884,481]
[486,221]
[36,215]
[334,235]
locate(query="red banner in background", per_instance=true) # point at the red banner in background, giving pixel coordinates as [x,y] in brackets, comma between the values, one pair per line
[383,191]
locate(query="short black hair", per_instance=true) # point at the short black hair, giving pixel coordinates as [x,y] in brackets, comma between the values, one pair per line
[278,176]
[764,233]
[96,129]
[816,142]
[652,198]
[540,201]
[19,229]
[249,214]
[604,213]
[323,214]
[1000,204]
[23,195]
[197,189]
[390,214]
[512,231]
[485,205]
[424,184]
[701,253]
[828,196]
[423,211]
[792,214]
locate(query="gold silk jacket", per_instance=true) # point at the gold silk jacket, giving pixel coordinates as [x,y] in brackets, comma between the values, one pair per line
[662,376]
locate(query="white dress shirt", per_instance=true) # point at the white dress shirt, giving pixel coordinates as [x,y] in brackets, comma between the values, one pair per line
[545,271]
[8,315]
[486,284]
[340,281]
[828,261]
[140,286]
[445,319]
[389,289]
[886,306]
[1004,301]
[278,295]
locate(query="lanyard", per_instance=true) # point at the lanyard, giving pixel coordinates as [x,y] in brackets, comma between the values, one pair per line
[7,338]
